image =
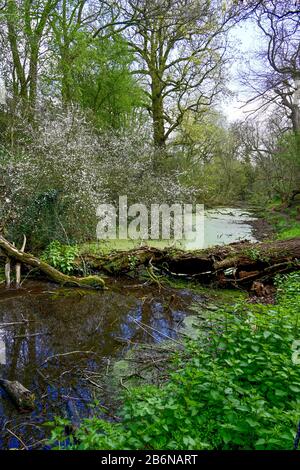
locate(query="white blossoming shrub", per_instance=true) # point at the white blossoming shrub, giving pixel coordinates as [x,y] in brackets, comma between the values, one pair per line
[127,161]
[62,169]
[55,180]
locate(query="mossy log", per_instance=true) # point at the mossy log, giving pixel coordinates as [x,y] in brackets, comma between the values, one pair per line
[95,282]
[21,396]
[235,264]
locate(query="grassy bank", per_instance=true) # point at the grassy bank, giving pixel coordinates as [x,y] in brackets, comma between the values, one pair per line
[285,221]
[235,388]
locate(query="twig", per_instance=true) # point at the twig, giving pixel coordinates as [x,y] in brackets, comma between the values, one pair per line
[157,331]
[93,383]
[133,286]
[28,274]
[123,385]
[3,325]
[33,334]
[37,443]
[17,437]
[135,321]
[66,354]
[67,397]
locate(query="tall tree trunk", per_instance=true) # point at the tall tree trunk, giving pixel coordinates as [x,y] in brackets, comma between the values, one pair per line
[296,106]
[159,135]
[158,114]
[20,88]
[66,80]
[33,76]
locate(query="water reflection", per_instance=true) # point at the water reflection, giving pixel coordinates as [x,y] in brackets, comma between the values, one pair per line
[56,341]
[2,349]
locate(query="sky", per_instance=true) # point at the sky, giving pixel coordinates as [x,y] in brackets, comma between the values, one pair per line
[246,38]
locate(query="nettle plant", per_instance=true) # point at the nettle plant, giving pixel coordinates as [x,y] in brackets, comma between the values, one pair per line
[60,256]
[237,387]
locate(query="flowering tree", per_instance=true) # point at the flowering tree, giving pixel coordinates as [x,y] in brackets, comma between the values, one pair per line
[61,169]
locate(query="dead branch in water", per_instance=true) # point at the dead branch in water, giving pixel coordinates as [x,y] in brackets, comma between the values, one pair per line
[21,396]
[95,282]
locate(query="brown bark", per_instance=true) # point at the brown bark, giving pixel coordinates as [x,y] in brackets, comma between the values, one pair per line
[21,396]
[236,264]
[159,136]
[52,273]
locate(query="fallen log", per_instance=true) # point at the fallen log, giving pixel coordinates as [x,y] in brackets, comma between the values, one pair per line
[21,396]
[237,264]
[12,252]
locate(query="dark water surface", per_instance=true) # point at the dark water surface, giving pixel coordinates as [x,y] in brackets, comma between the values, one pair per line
[60,339]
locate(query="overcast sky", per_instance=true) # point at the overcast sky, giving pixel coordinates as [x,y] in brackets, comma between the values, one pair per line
[246,38]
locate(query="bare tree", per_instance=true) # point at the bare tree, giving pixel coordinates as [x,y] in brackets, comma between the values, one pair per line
[279,81]
[272,153]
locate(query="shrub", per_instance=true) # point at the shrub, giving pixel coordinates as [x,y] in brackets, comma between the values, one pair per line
[53,180]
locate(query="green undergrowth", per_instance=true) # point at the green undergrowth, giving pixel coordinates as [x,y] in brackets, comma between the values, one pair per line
[235,387]
[291,232]
[284,221]
[213,295]
[61,257]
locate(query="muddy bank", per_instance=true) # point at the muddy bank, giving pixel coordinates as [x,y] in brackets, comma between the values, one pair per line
[262,229]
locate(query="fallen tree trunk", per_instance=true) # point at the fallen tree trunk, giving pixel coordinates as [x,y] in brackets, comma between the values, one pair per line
[28,259]
[235,264]
[21,396]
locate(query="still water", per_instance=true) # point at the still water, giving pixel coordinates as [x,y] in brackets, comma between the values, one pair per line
[54,341]
[221,227]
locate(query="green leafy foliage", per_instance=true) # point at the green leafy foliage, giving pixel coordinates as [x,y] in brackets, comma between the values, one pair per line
[238,389]
[40,221]
[61,256]
[285,220]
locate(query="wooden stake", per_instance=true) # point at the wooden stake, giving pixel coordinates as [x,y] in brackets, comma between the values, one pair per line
[7,272]
[18,265]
